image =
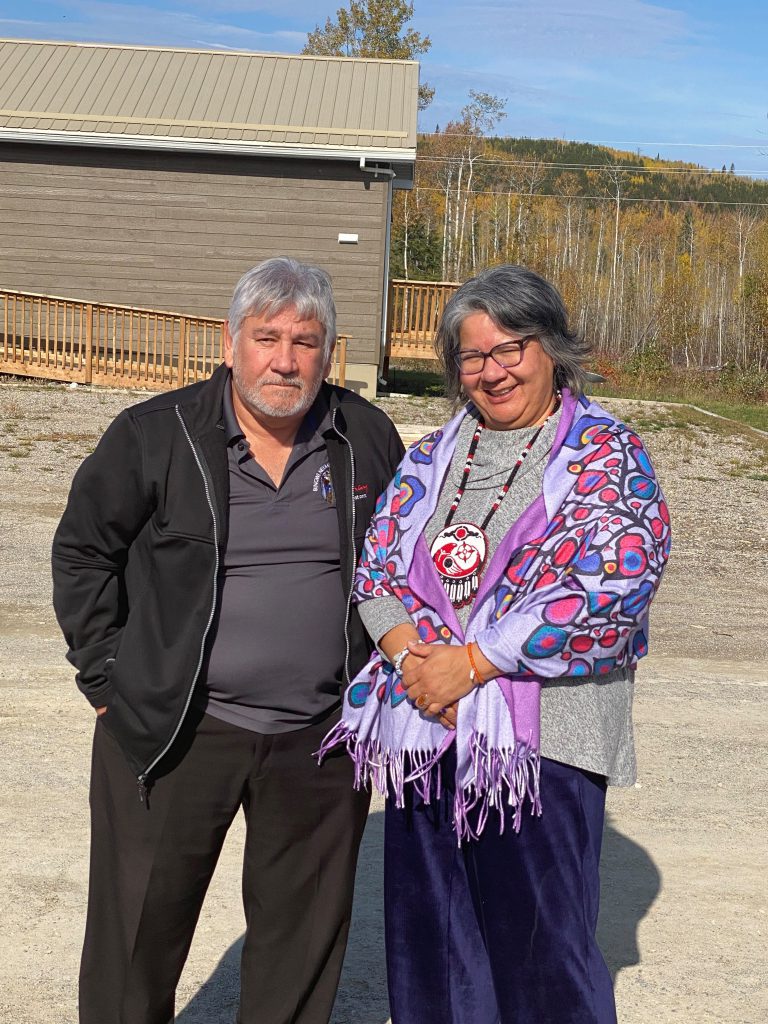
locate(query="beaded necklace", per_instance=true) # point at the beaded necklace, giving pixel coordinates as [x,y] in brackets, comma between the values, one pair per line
[459,551]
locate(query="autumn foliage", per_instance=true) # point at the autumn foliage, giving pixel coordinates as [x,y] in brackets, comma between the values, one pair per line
[663,265]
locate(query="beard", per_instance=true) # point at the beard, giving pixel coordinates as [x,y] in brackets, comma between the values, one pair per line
[293,396]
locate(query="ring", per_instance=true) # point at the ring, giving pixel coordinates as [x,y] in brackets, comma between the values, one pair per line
[422,701]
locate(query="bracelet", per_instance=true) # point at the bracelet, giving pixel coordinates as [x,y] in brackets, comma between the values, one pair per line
[474,673]
[399,658]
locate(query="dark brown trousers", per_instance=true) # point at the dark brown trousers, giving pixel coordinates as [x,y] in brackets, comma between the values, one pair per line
[151,864]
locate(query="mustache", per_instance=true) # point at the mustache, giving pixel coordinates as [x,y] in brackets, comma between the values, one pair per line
[294,381]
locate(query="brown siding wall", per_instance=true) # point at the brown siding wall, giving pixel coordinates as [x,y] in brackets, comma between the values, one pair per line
[175,231]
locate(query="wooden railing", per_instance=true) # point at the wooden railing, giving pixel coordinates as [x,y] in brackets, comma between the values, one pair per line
[414,311]
[126,346]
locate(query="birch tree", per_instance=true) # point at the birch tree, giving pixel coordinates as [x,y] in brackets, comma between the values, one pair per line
[372,28]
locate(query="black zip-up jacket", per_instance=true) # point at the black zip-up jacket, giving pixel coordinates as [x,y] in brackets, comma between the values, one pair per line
[137,555]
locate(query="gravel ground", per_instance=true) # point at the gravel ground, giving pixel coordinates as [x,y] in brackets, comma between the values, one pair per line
[685,913]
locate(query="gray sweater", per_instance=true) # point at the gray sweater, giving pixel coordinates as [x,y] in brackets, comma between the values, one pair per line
[586,722]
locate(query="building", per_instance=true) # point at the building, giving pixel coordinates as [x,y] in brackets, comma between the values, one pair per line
[155,177]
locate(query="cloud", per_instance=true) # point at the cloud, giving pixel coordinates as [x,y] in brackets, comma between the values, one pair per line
[147,24]
[298,10]
[581,68]
[556,28]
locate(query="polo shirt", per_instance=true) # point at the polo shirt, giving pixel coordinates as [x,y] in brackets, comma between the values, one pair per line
[276,660]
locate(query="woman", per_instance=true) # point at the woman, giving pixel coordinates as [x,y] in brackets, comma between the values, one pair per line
[506,579]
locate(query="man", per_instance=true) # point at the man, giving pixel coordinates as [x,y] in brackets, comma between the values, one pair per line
[202,577]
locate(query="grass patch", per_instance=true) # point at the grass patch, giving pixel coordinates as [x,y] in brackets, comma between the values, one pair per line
[752,464]
[11,408]
[751,415]
[748,414]
[420,377]
[736,394]
[67,436]
[647,420]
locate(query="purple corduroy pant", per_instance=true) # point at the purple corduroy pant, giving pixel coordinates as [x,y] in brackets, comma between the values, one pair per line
[501,930]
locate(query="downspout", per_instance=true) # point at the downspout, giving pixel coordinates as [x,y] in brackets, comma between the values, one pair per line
[376,171]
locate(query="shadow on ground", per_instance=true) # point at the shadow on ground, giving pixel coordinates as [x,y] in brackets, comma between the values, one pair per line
[217,999]
[630,884]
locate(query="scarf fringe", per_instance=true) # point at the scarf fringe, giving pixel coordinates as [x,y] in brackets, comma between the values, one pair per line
[499,777]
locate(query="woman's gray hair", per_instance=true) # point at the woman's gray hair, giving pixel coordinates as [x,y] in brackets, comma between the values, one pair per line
[519,300]
[274,285]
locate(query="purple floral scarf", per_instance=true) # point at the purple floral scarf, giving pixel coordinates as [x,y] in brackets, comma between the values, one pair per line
[565,594]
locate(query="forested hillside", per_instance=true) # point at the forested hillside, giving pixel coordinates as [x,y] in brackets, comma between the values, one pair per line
[658,261]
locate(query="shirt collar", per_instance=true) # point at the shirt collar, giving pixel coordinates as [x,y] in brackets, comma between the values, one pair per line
[232,428]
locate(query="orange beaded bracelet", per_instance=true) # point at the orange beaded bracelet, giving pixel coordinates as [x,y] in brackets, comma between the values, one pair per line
[474,676]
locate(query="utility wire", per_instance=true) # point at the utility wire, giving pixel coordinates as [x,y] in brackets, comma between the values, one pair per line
[624,146]
[599,199]
[691,145]
[545,165]
[627,147]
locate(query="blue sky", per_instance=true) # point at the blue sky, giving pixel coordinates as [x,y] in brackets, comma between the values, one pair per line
[685,79]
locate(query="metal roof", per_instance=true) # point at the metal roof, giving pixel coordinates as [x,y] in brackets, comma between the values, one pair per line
[210,100]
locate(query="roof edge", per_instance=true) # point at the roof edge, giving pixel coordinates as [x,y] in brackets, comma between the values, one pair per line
[223,52]
[162,142]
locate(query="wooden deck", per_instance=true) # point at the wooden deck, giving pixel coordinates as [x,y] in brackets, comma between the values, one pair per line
[414,311]
[64,339]
[56,338]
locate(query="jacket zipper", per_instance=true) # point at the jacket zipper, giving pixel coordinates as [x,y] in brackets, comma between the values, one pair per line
[351,539]
[142,779]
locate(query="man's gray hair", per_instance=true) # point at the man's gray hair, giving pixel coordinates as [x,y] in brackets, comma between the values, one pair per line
[274,285]
[519,300]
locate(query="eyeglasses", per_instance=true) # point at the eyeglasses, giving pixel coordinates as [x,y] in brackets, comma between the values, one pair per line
[508,354]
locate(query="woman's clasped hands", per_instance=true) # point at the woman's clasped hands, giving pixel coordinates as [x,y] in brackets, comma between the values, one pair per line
[436,677]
